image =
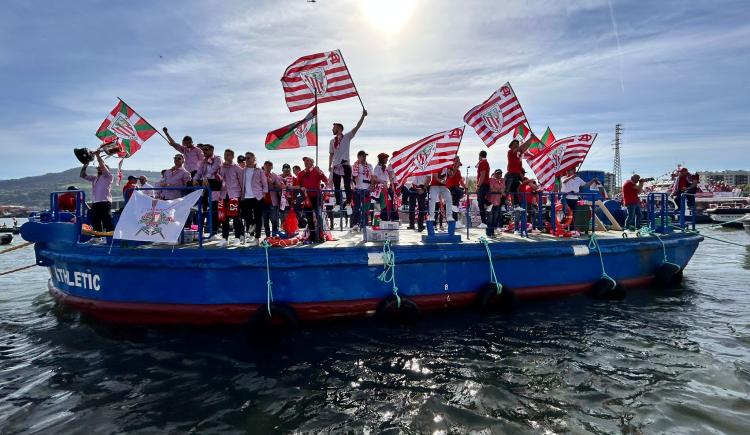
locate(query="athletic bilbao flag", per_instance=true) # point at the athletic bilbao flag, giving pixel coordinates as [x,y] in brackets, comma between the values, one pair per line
[560,156]
[427,155]
[295,135]
[321,74]
[497,116]
[127,128]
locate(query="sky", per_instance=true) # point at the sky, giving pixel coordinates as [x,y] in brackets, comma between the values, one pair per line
[674,73]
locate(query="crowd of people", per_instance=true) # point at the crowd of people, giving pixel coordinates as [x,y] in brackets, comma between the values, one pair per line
[255,199]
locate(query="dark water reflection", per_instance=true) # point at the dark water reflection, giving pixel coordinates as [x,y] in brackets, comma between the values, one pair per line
[657,362]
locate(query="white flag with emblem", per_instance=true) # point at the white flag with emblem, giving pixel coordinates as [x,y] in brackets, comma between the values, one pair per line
[427,155]
[154,220]
[496,116]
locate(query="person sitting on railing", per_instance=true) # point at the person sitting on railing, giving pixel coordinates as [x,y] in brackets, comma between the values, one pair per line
[438,192]
[630,191]
[417,199]
[309,181]
[497,198]
[455,183]
[231,189]
[271,200]
[176,176]
[384,176]
[101,192]
[362,176]
[254,187]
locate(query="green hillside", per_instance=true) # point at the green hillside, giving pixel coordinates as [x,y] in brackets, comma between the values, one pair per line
[34,191]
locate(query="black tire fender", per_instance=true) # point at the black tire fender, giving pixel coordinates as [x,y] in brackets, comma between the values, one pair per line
[668,276]
[488,299]
[389,309]
[281,316]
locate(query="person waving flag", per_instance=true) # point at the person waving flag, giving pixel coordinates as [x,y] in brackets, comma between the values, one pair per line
[126,127]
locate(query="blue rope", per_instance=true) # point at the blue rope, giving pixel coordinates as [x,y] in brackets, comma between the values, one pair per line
[594,245]
[493,276]
[269,283]
[389,270]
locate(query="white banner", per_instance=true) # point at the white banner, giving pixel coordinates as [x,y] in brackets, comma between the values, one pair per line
[154,220]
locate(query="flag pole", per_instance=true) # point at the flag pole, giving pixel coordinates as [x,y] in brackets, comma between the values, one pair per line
[317,145]
[139,115]
[353,84]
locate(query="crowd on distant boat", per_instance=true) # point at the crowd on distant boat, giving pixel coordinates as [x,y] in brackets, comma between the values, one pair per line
[255,198]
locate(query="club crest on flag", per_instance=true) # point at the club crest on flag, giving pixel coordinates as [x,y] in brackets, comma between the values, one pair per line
[556,156]
[315,79]
[302,129]
[122,128]
[493,118]
[153,220]
[423,157]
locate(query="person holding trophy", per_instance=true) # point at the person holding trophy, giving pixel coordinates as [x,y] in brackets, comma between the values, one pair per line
[101,190]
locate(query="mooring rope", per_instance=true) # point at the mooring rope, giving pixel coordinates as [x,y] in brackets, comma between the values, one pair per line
[594,244]
[22,245]
[389,270]
[17,269]
[493,276]
[689,231]
[269,283]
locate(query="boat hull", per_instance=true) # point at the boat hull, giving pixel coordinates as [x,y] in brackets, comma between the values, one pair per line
[213,286]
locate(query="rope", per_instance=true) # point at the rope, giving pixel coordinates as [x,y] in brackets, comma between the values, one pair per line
[594,244]
[22,245]
[724,223]
[687,230]
[493,276]
[389,270]
[269,283]
[16,270]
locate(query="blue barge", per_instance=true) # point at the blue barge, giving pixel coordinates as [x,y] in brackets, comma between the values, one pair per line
[203,284]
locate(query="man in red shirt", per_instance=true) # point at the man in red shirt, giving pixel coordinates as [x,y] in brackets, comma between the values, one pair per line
[127,189]
[455,183]
[530,191]
[309,181]
[483,186]
[630,190]
[681,184]
[513,175]
[67,201]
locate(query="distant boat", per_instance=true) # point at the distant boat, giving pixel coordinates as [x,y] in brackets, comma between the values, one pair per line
[13,230]
[5,239]
[729,214]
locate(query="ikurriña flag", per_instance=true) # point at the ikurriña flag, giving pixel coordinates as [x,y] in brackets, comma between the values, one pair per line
[322,74]
[561,156]
[295,135]
[427,155]
[548,137]
[496,116]
[126,127]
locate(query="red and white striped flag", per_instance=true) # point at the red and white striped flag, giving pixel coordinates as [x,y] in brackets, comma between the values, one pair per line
[497,116]
[324,74]
[427,155]
[560,156]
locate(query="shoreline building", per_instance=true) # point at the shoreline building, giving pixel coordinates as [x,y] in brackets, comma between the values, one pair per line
[730,177]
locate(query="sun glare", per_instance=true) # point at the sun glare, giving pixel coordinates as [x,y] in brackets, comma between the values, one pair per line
[388,16]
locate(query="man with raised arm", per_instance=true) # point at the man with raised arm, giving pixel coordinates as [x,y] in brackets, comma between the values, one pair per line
[193,154]
[339,162]
[101,191]
[514,174]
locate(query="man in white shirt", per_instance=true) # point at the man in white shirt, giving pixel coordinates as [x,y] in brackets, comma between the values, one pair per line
[384,177]
[339,163]
[571,185]
[362,173]
[143,184]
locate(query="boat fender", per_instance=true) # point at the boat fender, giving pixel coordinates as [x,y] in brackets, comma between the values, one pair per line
[607,289]
[668,275]
[488,299]
[281,316]
[389,309]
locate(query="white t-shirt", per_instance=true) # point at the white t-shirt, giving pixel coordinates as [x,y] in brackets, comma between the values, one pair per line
[362,174]
[572,185]
[383,176]
[341,152]
[249,172]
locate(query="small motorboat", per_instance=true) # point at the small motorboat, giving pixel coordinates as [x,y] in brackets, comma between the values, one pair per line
[729,215]
[5,239]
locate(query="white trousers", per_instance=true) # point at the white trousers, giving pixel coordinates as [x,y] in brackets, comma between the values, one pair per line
[437,192]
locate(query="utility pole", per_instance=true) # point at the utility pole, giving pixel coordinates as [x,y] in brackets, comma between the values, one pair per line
[617,169]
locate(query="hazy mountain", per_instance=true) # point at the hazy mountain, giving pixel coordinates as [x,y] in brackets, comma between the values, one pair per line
[34,191]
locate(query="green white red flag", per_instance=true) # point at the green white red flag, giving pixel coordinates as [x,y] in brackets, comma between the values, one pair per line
[295,135]
[522,133]
[127,128]
[548,137]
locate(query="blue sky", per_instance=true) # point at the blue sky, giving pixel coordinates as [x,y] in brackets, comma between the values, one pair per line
[677,80]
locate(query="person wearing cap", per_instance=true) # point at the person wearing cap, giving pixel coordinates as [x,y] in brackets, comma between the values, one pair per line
[339,162]
[231,189]
[206,175]
[127,189]
[193,154]
[384,177]
[681,184]
[144,184]
[309,180]
[362,174]
[254,188]
[241,162]
[483,186]
[176,176]
[455,183]
[496,197]
[630,191]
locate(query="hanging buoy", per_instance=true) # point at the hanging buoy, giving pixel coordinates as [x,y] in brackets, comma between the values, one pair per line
[390,309]
[277,316]
[607,289]
[668,275]
[488,299]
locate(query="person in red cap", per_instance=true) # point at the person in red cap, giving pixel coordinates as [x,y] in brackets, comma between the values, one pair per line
[384,177]
[362,176]
[309,181]
[681,184]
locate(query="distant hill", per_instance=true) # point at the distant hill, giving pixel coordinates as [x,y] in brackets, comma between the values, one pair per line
[34,191]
